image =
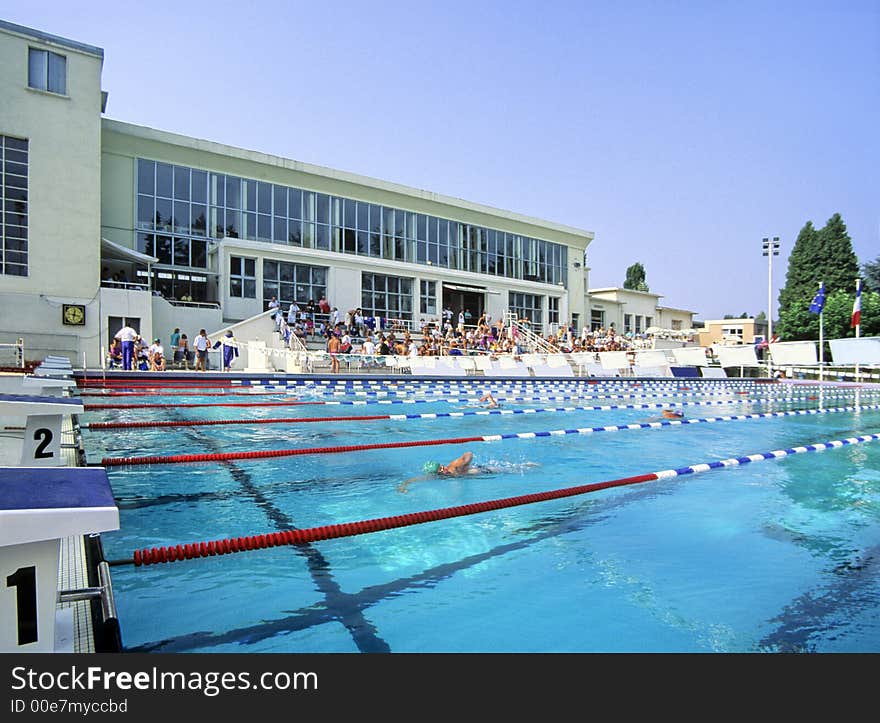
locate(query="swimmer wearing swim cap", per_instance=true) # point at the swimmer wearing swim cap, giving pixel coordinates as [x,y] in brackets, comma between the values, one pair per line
[457,467]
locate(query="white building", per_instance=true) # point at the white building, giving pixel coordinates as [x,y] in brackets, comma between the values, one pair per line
[205,233]
[635,312]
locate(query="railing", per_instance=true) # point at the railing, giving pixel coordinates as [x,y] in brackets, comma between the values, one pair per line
[125,285]
[194,304]
[19,352]
[533,341]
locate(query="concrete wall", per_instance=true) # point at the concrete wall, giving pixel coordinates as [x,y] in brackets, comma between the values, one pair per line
[64,191]
[166,316]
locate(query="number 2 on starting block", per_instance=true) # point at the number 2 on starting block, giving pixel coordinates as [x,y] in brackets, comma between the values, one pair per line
[42,441]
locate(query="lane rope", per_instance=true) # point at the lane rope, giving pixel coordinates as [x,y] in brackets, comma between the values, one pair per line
[403,417]
[273,453]
[93,407]
[188,551]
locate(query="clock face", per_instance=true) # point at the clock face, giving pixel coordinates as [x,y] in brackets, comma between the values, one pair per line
[74,314]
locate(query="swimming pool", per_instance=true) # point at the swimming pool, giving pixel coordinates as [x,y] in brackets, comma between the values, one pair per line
[780,555]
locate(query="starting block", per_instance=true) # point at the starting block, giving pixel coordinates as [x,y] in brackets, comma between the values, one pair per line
[38,508]
[42,435]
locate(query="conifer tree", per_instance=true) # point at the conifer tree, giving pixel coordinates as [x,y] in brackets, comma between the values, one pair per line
[825,256]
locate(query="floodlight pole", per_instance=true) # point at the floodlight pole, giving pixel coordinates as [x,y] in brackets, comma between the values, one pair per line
[771,249]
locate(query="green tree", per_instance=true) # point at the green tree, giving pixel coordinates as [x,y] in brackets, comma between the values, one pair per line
[871,275]
[825,256]
[635,278]
[837,315]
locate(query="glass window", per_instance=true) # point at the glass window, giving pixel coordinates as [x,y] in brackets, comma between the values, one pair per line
[294,203]
[250,195]
[278,277]
[199,186]
[181,183]
[279,199]
[242,277]
[47,71]
[391,296]
[428,297]
[163,213]
[163,250]
[323,208]
[181,216]
[233,192]
[146,177]
[527,306]
[146,244]
[199,252]
[146,213]
[164,180]
[181,251]
[264,198]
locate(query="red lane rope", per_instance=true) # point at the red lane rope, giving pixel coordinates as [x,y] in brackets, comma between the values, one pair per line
[157,384]
[264,454]
[177,392]
[90,407]
[173,553]
[209,422]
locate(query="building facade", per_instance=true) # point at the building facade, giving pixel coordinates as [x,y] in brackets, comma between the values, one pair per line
[634,312]
[733,332]
[108,222]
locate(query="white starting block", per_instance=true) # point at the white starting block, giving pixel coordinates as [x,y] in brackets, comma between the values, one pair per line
[47,386]
[38,508]
[41,386]
[42,434]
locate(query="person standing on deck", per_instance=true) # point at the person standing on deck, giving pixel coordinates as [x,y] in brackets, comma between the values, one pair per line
[127,336]
[201,344]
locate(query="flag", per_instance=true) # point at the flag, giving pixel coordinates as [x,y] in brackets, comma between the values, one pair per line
[857,305]
[818,300]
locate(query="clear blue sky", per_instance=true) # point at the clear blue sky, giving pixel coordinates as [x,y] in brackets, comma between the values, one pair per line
[681,133]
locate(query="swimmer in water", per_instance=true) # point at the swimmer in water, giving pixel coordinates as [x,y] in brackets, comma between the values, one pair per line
[672,414]
[491,403]
[665,414]
[458,467]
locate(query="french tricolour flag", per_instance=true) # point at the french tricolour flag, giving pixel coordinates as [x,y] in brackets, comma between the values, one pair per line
[857,305]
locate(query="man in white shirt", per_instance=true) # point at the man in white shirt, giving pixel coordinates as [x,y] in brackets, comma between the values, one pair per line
[369,351]
[201,344]
[292,312]
[127,336]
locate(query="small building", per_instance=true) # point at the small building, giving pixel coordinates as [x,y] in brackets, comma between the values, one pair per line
[732,332]
[635,312]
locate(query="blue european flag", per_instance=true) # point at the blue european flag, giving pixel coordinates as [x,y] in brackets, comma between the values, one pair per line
[818,300]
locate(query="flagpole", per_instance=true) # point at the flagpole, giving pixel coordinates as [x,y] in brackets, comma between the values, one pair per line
[858,319]
[821,347]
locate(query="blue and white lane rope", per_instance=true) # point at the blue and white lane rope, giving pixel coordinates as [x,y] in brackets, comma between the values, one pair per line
[175,553]
[668,423]
[761,456]
[452,415]
[270,453]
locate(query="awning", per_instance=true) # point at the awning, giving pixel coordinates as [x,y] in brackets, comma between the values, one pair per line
[454,287]
[111,250]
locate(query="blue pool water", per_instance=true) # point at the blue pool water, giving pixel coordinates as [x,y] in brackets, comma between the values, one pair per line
[780,555]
